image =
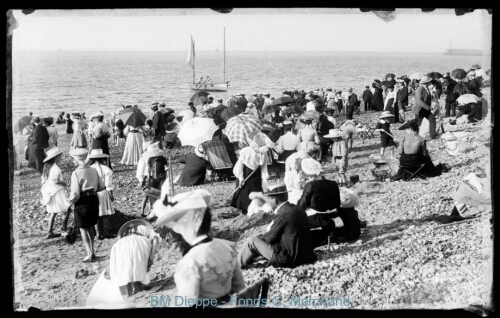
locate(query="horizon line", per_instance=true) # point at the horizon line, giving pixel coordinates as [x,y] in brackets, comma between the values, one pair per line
[234,51]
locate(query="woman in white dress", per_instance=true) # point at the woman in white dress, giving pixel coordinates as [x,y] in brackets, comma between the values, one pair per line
[133,147]
[53,195]
[78,140]
[98,161]
[292,177]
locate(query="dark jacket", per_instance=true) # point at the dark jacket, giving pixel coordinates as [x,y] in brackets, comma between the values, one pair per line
[352,100]
[476,113]
[448,87]
[40,137]
[422,100]
[259,102]
[290,237]
[159,124]
[242,103]
[367,95]
[402,96]
[320,195]
[474,87]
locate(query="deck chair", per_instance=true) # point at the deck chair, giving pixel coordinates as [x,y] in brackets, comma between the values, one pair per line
[273,163]
[218,157]
[413,171]
[257,291]
[367,132]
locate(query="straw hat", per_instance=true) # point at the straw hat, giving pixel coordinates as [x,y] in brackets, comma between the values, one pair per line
[386,114]
[333,133]
[310,166]
[153,150]
[348,199]
[79,153]
[260,139]
[146,145]
[131,227]
[425,79]
[53,152]
[196,201]
[97,153]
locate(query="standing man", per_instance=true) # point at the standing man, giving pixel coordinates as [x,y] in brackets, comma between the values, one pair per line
[241,102]
[450,106]
[351,103]
[367,98]
[401,99]
[422,105]
[259,102]
[158,123]
[39,142]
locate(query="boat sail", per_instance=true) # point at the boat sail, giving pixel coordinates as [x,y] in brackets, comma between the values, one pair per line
[205,82]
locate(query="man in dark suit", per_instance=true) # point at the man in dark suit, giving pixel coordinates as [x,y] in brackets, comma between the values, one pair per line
[422,105]
[401,99]
[352,104]
[367,98]
[158,123]
[288,243]
[448,86]
[258,101]
[39,141]
[241,102]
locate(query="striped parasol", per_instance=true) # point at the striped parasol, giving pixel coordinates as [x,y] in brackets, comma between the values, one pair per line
[239,127]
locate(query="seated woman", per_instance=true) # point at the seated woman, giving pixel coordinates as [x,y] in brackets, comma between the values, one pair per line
[195,170]
[287,144]
[308,133]
[349,216]
[132,256]
[319,199]
[209,267]
[293,171]
[475,190]
[413,152]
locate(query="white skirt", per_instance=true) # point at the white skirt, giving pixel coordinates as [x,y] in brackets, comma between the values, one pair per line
[58,202]
[129,260]
[105,203]
[133,149]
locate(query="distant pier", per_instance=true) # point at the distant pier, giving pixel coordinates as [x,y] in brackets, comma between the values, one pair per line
[464,52]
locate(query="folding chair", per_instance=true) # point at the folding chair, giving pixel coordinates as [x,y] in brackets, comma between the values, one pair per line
[367,132]
[414,171]
[257,291]
[275,165]
[218,158]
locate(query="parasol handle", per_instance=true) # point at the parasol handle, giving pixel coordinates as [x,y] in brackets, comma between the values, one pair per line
[388,134]
[239,186]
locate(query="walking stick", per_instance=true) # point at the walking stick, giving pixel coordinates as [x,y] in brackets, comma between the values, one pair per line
[388,134]
[240,185]
[171,177]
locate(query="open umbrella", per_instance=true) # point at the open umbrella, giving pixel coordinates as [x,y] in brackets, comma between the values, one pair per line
[21,123]
[459,74]
[284,100]
[269,109]
[134,118]
[238,128]
[230,112]
[199,97]
[293,109]
[391,75]
[197,131]
[416,76]
[467,99]
[435,75]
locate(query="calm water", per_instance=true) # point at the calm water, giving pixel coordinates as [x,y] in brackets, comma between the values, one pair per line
[51,82]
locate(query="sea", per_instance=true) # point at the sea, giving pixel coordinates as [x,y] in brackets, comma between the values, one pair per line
[47,83]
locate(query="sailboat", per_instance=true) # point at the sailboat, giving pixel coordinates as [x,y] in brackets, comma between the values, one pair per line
[205,82]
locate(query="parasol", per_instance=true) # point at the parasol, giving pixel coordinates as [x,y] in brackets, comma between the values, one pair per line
[199,97]
[239,127]
[458,74]
[133,117]
[467,99]
[284,100]
[186,115]
[230,112]
[21,123]
[197,131]
[435,75]
[416,76]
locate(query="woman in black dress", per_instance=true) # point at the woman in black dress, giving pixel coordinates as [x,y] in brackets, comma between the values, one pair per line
[120,126]
[69,124]
[378,99]
[195,170]
[251,172]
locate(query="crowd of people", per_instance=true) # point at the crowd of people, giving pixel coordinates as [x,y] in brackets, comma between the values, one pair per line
[308,134]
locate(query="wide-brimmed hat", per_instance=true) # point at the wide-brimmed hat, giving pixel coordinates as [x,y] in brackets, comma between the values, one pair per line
[146,144]
[79,153]
[425,79]
[131,227]
[333,133]
[196,201]
[386,114]
[260,139]
[97,153]
[310,166]
[53,152]
[348,199]
[153,150]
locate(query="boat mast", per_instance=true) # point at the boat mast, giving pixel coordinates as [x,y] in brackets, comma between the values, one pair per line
[193,59]
[224,55]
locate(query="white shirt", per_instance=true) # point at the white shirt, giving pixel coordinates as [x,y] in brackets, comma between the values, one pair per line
[288,141]
[310,106]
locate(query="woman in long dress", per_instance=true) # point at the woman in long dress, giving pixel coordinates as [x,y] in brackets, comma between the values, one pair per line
[101,135]
[251,172]
[98,161]
[78,140]
[49,124]
[378,99]
[133,146]
[390,106]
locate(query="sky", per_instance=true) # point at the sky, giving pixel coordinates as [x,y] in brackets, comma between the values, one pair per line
[343,30]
